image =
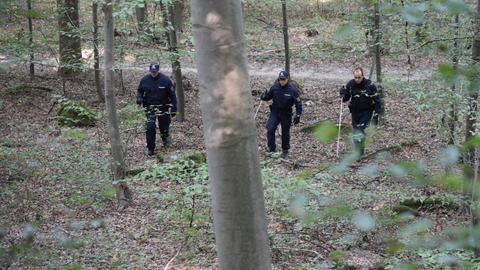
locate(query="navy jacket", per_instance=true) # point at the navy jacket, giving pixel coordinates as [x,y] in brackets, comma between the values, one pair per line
[283,98]
[363,96]
[157,91]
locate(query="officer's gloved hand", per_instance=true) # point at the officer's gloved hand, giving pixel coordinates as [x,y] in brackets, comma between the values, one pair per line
[375,119]
[343,91]
[173,113]
[263,95]
[296,120]
[139,101]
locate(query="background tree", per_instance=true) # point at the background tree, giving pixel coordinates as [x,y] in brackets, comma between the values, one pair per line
[230,137]
[285,36]
[118,163]
[96,56]
[378,33]
[70,46]
[175,58]
[30,38]
[141,14]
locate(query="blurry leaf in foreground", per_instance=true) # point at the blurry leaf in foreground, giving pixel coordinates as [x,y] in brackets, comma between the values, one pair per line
[414,14]
[344,31]
[406,266]
[326,132]
[449,156]
[363,221]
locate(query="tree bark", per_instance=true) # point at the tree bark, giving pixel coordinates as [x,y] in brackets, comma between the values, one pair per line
[30,39]
[176,66]
[178,21]
[118,162]
[452,116]
[96,55]
[141,15]
[285,37]
[70,46]
[472,120]
[378,34]
[230,136]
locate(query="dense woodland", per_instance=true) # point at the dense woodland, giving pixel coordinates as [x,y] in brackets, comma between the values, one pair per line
[77,190]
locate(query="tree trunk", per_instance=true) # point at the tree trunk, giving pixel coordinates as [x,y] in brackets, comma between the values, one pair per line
[96,56]
[472,120]
[164,12]
[230,136]
[378,34]
[30,39]
[70,46]
[118,163]
[141,15]
[178,21]
[452,116]
[176,67]
[285,37]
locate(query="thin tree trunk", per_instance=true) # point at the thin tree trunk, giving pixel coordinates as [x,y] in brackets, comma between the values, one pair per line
[407,45]
[230,136]
[285,37]
[96,55]
[69,41]
[176,67]
[378,34]
[452,118]
[30,39]
[118,163]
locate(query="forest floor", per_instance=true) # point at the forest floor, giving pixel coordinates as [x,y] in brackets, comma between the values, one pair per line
[57,180]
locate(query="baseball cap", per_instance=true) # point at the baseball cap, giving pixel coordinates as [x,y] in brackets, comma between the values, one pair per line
[154,68]
[283,75]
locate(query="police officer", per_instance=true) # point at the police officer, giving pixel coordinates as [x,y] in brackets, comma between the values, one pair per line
[284,95]
[365,106]
[156,94]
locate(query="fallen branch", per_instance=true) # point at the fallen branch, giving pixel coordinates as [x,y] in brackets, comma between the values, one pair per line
[393,148]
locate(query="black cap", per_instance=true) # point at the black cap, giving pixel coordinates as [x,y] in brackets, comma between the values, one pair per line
[154,67]
[283,75]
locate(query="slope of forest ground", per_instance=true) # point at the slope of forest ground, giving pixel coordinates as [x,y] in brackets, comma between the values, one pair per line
[58,205]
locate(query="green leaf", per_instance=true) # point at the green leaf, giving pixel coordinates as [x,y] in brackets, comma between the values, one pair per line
[344,31]
[414,14]
[326,132]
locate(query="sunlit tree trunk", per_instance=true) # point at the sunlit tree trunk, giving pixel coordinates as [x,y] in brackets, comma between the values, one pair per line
[118,163]
[69,39]
[230,136]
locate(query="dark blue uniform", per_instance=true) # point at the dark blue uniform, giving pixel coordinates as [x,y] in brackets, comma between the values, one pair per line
[284,97]
[364,101]
[158,97]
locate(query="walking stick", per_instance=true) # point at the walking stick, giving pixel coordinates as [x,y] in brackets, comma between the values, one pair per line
[259,105]
[339,125]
